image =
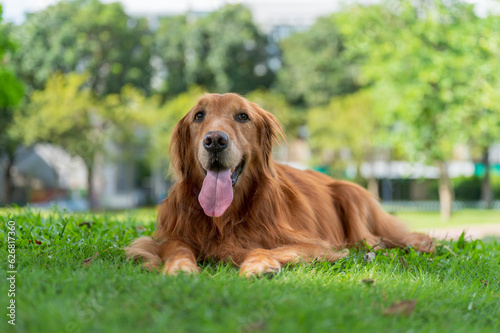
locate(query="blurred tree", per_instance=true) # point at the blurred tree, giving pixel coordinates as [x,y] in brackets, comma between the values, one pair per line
[85,36]
[11,92]
[132,119]
[223,52]
[169,54]
[483,105]
[315,66]
[153,124]
[73,119]
[146,121]
[65,114]
[163,119]
[129,111]
[347,122]
[277,104]
[419,60]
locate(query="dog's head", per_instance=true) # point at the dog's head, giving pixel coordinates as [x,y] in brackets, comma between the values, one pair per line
[222,139]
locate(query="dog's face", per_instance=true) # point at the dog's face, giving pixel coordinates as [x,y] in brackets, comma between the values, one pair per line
[220,141]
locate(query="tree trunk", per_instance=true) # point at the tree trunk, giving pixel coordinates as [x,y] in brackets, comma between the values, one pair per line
[90,187]
[373,186]
[9,187]
[486,191]
[445,192]
[372,180]
[7,180]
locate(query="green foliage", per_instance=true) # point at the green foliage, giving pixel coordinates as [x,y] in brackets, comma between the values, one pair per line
[495,182]
[11,89]
[482,109]
[85,36]
[346,122]
[421,59]
[68,114]
[73,119]
[290,118]
[467,188]
[169,46]
[428,66]
[456,288]
[223,52]
[129,112]
[316,66]
[164,118]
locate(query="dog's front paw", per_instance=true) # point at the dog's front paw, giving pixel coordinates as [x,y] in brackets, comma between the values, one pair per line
[180,265]
[259,266]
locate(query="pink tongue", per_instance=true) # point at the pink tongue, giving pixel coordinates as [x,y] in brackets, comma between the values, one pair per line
[216,193]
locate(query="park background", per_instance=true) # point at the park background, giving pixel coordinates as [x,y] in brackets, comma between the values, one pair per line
[402,97]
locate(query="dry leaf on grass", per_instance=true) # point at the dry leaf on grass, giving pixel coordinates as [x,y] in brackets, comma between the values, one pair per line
[402,308]
[87,224]
[370,256]
[403,262]
[89,261]
[368,282]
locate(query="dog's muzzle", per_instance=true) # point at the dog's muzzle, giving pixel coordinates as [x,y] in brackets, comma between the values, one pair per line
[221,175]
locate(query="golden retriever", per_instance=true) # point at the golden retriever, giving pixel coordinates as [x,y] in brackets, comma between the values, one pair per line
[233,202]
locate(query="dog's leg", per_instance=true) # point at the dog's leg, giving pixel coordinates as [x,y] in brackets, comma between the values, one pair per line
[419,241]
[147,249]
[262,262]
[178,257]
[364,219]
[395,234]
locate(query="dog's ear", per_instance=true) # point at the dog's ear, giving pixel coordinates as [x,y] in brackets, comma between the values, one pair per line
[180,149]
[270,132]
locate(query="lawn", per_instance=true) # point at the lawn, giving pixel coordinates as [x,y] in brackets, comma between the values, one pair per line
[466,217]
[72,276]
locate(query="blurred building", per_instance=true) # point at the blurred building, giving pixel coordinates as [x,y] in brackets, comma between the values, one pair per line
[117,180]
[45,173]
[45,176]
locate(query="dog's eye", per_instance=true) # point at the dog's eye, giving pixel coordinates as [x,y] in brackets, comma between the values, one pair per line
[242,117]
[199,116]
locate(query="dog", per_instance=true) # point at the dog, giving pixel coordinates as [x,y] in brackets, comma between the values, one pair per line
[232,202]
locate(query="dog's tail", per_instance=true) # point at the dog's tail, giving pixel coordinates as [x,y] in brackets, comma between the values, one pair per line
[147,249]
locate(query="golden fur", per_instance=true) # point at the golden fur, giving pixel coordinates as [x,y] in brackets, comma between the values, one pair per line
[278,215]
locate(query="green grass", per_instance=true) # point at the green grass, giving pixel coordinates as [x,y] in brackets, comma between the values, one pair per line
[466,217]
[55,292]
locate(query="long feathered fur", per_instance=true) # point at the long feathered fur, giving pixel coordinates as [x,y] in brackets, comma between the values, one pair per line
[274,206]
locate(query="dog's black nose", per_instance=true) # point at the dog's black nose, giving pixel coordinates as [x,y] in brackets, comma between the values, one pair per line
[215,141]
